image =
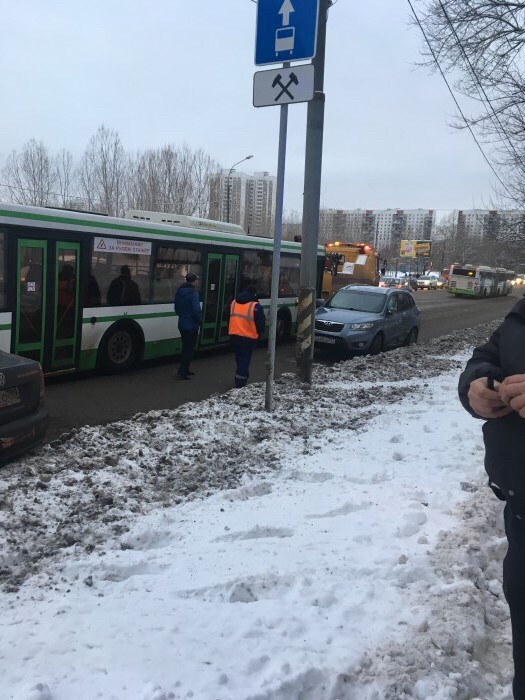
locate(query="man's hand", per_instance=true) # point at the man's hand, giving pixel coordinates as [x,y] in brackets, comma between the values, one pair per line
[486,402]
[512,393]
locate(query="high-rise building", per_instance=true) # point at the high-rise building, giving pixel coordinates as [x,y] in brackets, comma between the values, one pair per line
[248,200]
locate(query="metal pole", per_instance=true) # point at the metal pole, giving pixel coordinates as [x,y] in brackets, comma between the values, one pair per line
[311,198]
[276,260]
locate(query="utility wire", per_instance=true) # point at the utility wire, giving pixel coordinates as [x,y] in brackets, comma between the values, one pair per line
[482,90]
[456,101]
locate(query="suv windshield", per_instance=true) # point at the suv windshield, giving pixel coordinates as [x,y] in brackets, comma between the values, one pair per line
[425,278]
[357,301]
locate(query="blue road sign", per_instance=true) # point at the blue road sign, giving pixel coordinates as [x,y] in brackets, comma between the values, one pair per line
[286,31]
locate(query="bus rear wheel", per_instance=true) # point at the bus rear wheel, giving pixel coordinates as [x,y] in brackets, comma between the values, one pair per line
[283,327]
[120,349]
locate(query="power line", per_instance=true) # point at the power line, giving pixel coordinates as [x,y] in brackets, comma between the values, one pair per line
[456,101]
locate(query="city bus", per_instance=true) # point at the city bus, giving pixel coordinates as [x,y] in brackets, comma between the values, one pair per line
[480,281]
[84,291]
[349,263]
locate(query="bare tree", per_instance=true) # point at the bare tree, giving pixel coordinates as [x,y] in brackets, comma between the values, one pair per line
[204,169]
[292,225]
[30,175]
[64,177]
[172,179]
[103,172]
[481,43]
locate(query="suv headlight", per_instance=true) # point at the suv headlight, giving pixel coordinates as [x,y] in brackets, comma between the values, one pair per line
[361,326]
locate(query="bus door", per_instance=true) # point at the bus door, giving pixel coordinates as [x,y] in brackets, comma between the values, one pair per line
[47,305]
[219,292]
[66,316]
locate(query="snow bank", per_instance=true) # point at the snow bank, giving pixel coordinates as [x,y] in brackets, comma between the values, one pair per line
[340,548]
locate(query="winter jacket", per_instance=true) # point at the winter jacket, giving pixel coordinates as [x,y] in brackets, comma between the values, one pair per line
[123,291]
[188,308]
[259,317]
[502,356]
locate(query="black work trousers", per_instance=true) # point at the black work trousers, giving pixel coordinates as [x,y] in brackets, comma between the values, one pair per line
[514,589]
[243,348]
[189,341]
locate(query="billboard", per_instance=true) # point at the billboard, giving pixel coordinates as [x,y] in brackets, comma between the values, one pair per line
[411,249]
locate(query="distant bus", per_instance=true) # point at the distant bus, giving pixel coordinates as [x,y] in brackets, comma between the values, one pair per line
[81,291]
[480,282]
[349,263]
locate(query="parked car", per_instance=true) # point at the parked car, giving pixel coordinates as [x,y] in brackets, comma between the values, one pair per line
[426,282]
[362,319]
[23,415]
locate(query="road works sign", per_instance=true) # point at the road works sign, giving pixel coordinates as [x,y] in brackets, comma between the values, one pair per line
[286,31]
[283,86]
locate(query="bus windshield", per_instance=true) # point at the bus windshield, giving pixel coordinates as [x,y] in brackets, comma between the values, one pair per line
[464,272]
[353,300]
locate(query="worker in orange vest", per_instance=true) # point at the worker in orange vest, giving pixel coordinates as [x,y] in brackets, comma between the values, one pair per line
[247,324]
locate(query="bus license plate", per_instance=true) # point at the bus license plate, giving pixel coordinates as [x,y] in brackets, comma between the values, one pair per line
[8,397]
[324,339]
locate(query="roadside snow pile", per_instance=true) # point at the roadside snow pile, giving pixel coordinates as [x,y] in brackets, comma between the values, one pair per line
[88,483]
[343,548]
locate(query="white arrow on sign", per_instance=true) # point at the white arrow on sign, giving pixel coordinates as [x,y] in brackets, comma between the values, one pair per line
[286,10]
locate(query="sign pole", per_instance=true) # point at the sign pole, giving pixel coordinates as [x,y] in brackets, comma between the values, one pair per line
[311,205]
[276,260]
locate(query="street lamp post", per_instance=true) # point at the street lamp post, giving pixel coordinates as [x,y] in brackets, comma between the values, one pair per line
[229,185]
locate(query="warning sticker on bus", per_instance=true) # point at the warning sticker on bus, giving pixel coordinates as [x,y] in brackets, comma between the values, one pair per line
[121,245]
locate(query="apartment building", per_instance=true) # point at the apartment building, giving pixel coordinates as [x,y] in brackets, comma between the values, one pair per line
[248,200]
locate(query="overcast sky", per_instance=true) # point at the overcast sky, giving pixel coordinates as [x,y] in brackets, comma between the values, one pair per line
[174,71]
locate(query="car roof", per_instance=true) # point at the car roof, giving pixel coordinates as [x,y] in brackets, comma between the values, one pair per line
[369,288]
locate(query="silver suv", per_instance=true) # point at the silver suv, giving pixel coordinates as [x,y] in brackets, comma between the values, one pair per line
[363,319]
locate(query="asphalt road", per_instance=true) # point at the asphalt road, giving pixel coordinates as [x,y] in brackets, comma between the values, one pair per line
[93,399]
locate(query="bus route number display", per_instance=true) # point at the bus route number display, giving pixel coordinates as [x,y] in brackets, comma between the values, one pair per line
[121,245]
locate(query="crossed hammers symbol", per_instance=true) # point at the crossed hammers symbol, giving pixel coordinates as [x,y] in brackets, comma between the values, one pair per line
[284,88]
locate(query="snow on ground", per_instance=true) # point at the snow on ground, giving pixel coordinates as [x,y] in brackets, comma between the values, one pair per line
[344,547]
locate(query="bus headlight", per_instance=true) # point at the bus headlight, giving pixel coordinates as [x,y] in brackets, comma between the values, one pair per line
[361,326]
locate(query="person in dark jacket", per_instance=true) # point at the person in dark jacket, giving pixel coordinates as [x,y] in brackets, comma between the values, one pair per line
[492,387]
[188,309]
[123,291]
[247,324]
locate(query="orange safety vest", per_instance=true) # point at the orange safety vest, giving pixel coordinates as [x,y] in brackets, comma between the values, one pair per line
[242,320]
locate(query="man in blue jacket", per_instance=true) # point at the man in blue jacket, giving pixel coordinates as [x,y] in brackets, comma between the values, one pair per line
[188,309]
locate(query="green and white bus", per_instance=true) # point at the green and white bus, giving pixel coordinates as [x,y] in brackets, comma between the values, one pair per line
[480,282]
[58,304]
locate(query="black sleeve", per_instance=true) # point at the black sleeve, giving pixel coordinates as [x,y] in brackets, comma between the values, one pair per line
[260,319]
[485,362]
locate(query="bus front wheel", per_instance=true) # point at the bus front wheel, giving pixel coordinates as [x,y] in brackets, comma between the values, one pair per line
[120,348]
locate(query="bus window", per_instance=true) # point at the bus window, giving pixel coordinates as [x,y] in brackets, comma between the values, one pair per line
[172,264]
[107,267]
[257,271]
[289,276]
[2,270]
